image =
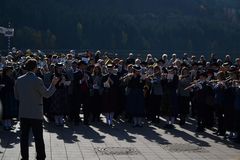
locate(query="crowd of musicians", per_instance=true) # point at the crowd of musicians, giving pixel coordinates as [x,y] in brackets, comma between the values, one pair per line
[136,89]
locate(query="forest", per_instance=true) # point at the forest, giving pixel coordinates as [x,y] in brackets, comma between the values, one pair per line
[153,25]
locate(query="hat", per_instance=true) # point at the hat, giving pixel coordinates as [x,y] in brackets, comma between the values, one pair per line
[170,68]
[232,69]
[136,67]
[203,73]
[60,64]
[110,65]
[225,64]
[100,61]
[149,55]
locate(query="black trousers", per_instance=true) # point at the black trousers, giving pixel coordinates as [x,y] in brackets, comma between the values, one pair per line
[37,129]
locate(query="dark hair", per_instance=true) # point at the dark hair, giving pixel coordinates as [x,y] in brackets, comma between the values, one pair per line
[31,64]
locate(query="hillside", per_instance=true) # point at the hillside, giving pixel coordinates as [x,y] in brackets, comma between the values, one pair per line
[172,25]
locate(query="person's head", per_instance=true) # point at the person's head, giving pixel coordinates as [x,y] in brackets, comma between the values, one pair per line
[136,69]
[31,65]
[69,57]
[157,69]
[177,63]
[74,65]
[130,68]
[184,71]
[171,70]
[193,58]
[161,62]
[59,68]
[237,61]
[225,66]
[203,76]
[227,58]
[164,57]
[110,67]
[202,58]
[130,55]
[7,71]
[97,70]
[137,61]
[52,67]
[174,56]
[82,65]
[195,66]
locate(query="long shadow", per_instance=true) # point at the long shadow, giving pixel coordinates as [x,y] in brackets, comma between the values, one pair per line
[221,140]
[191,126]
[149,133]
[63,133]
[187,137]
[89,133]
[117,131]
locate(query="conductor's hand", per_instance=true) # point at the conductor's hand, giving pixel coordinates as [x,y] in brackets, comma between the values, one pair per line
[55,80]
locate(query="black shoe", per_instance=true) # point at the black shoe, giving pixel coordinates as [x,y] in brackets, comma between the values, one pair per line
[200,129]
[169,126]
[182,123]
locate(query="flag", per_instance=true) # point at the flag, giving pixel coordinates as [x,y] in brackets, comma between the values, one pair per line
[9,32]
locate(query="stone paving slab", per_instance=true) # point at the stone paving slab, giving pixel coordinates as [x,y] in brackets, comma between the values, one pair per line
[151,142]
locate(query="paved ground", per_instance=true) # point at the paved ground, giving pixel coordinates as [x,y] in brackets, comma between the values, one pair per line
[121,142]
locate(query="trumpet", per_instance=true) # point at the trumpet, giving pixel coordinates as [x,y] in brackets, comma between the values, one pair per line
[152,75]
[129,75]
[193,84]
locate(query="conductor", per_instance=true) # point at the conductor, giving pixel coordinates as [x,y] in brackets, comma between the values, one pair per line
[30,90]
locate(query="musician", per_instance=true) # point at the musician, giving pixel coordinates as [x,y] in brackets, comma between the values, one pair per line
[80,93]
[220,108]
[156,92]
[170,92]
[229,100]
[9,103]
[48,73]
[237,108]
[58,105]
[183,95]
[202,91]
[135,96]
[96,90]
[110,93]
